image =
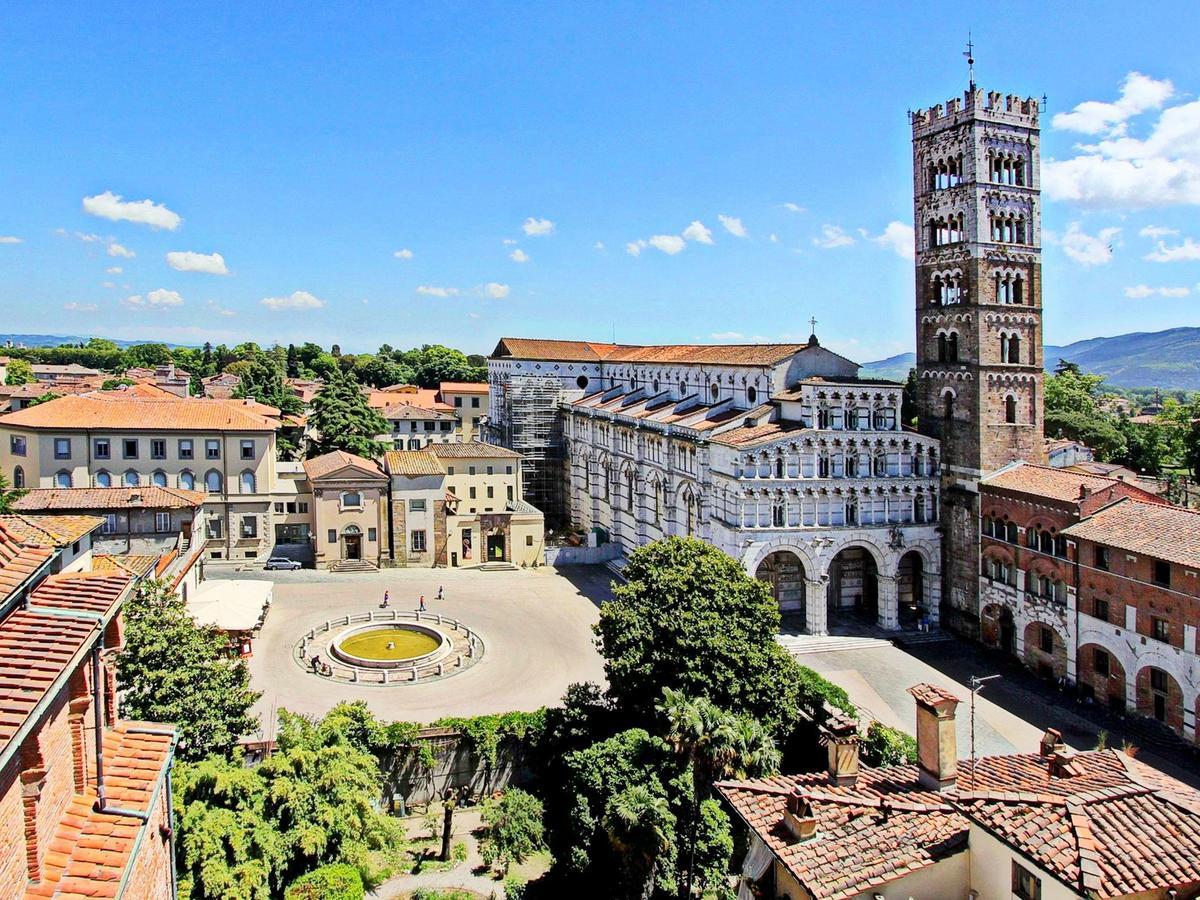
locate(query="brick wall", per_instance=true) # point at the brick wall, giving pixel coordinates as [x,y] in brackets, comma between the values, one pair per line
[1107,690]
[54,743]
[1046,664]
[1172,698]
[13,873]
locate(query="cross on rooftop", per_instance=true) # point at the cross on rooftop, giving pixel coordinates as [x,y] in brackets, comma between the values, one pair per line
[813,323]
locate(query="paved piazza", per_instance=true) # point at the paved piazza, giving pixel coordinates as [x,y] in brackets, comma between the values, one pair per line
[536,625]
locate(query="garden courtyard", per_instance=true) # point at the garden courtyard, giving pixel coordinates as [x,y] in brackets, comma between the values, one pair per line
[535,625]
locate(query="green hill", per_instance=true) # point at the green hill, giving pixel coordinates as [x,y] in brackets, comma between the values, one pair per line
[1163,359]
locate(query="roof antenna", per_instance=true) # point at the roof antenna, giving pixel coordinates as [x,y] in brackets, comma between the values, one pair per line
[969,53]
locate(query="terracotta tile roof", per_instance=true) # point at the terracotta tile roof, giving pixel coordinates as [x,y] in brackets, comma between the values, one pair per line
[406,411]
[860,845]
[1100,821]
[59,369]
[144,390]
[146,497]
[425,398]
[1158,530]
[412,462]
[472,450]
[327,464]
[97,592]
[247,403]
[90,851]
[536,348]
[138,565]
[105,411]
[35,389]
[57,531]
[932,695]
[1058,484]
[464,387]
[19,560]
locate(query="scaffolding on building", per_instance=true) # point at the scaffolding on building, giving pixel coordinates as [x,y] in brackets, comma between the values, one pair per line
[532,426]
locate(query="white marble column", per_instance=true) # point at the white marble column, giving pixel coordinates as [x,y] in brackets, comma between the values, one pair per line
[889,602]
[816,613]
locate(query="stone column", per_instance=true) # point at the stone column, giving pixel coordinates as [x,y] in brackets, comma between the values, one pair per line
[933,597]
[816,613]
[889,602]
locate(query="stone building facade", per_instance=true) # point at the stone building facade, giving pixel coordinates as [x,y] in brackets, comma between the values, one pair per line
[780,455]
[977,219]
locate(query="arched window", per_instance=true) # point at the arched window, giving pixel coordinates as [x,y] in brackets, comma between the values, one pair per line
[62,478]
[187,480]
[1014,349]
[714,392]
[943,352]
[629,498]
[952,347]
[19,477]
[103,479]
[947,405]
[582,382]
[1017,289]
[1010,532]
[212,481]
[751,395]
[159,478]
[248,482]
[937,298]
[683,389]
[1010,409]
[131,478]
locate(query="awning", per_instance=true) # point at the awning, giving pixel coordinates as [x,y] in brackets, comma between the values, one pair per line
[238,605]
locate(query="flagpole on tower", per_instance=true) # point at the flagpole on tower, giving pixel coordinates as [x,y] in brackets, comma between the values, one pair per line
[969,53]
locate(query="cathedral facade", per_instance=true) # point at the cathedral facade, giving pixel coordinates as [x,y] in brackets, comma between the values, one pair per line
[977,223]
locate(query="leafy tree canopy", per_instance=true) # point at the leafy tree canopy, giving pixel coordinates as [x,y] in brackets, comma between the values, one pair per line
[19,372]
[172,670]
[514,829]
[343,420]
[690,618]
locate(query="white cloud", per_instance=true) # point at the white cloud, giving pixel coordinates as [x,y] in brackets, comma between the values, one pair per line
[80,307]
[1139,93]
[733,225]
[1141,291]
[727,336]
[159,298]
[403,254]
[794,207]
[217,309]
[773,238]
[495,290]
[669,244]
[519,255]
[115,249]
[189,261]
[833,236]
[697,232]
[538,227]
[114,270]
[10,239]
[145,212]
[1188,251]
[1088,249]
[1162,169]
[1158,231]
[431,291]
[508,242]
[294,300]
[634,248]
[897,237]
[599,245]
[107,284]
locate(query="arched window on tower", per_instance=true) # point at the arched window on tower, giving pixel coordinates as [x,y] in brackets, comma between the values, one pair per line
[948,405]
[937,298]
[942,347]
[1017,290]
[1010,409]
[1014,349]
[952,347]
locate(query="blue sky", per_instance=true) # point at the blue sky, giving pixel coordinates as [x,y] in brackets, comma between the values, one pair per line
[308,144]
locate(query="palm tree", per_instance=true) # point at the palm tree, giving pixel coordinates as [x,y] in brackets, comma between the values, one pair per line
[716,744]
[639,823]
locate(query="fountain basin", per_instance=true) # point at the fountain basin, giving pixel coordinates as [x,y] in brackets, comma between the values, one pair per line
[393,645]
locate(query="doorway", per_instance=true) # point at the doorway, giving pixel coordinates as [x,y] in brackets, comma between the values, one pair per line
[352,540]
[495,547]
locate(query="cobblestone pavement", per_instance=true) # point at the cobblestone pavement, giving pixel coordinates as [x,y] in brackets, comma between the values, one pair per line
[536,623]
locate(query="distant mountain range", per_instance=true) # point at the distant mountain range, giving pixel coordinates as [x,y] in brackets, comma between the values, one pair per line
[1164,359]
[54,340]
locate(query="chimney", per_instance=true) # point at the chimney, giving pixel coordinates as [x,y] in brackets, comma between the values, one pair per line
[937,743]
[1083,491]
[841,740]
[799,818]
[1051,741]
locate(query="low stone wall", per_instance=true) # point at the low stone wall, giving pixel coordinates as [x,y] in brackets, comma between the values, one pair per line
[457,766]
[582,556]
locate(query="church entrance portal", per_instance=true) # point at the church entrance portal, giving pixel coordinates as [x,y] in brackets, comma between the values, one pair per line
[784,572]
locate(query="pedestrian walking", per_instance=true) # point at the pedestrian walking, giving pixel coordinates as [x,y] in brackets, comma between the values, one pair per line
[439,596]
[386,599]
[422,607]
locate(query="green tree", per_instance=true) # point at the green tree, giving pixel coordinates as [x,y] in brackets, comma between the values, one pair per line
[514,829]
[343,420]
[1149,446]
[910,398]
[293,361]
[262,380]
[1072,410]
[640,826]
[436,364]
[334,882]
[172,670]
[8,495]
[147,355]
[19,372]
[1191,448]
[115,384]
[691,619]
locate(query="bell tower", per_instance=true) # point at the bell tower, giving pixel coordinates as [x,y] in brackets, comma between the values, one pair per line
[977,218]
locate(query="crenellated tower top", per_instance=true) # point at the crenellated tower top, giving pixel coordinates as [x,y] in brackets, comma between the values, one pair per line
[1010,109]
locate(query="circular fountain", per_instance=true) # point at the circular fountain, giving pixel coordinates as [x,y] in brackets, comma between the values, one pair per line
[390,646]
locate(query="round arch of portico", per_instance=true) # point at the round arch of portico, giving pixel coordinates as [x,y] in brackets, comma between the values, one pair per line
[931,557]
[1093,631]
[887,562]
[756,553]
